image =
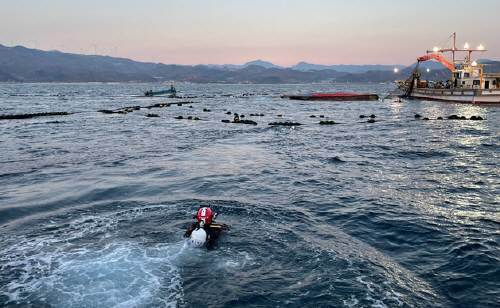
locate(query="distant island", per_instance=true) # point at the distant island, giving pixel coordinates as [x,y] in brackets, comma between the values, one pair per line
[21,64]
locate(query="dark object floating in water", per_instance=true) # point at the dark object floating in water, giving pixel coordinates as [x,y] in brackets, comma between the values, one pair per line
[439,118]
[179,117]
[312,116]
[371,121]
[285,124]
[159,105]
[425,119]
[172,92]
[476,118]
[245,122]
[417,116]
[372,116]
[362,116]
[179,104]
[196,118]
[152,115]
[327,123]
[455,117]
[190,117]
[335,160]
[229,112]
[242,116]
[256,114]
[106,111]
[321,116]
[335,96]
[279,115]
[206,110]
[31,115]
[250,122]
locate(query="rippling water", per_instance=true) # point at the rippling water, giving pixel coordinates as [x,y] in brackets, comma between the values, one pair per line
[400,212]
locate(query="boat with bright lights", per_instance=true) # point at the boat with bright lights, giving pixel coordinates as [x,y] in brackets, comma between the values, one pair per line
[468,83]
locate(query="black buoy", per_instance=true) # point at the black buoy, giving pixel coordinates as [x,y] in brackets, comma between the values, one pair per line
[312,116]
[439,118]
[229,112]
[372,116]
[453,117]
[327,123]
[321,116]
[371,121]
[362,116]
[417,116]
[225,121]
[152,115]
[425,119]
[179,117]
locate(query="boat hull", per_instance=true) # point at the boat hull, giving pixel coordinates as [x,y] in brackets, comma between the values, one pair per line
[468,96]
[343,98]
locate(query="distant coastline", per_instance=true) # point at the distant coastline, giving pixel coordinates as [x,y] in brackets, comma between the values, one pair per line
[21,64]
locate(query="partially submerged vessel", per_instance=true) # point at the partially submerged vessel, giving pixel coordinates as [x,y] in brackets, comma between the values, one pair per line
[468,83]
[334,96]
[172,92]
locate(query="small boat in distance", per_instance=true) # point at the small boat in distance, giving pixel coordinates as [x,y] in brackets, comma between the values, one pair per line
[468,83]
[171,92]
[334,96]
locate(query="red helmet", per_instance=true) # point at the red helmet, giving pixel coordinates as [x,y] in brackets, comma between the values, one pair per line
[205,214]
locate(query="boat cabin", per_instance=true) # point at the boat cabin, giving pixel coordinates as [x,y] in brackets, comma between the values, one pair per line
[472,76]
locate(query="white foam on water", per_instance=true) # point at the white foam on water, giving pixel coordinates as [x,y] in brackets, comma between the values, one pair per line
[67,267]
[380,295]
[237,262]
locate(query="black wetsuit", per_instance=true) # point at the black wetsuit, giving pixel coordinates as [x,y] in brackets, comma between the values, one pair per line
[212,233]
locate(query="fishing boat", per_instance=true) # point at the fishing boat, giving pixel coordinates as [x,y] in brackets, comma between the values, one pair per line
[334,96]
[468,83]
[172,91]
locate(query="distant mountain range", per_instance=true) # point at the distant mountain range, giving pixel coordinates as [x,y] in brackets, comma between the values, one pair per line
[21,64]
[306,67]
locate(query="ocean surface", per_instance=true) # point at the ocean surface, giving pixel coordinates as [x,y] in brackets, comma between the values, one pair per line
[396,213]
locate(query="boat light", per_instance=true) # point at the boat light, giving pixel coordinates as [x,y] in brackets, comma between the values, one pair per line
[435,49]
[396,70]
[474,63]
[480,47]
[466,46]
[428,70]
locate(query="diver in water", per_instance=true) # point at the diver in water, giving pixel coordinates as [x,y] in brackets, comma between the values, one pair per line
[205,219]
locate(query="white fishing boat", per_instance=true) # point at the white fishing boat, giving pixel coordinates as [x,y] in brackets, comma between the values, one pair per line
[468,83]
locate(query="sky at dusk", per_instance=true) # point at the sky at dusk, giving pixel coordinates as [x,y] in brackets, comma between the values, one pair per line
[234,31]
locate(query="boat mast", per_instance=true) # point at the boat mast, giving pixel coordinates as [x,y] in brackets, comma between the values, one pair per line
[454,46]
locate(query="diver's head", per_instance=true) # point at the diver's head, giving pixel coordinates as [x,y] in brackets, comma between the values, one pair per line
[205,216]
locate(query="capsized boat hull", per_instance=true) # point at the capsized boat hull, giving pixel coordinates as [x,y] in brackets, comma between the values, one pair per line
[337,96]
